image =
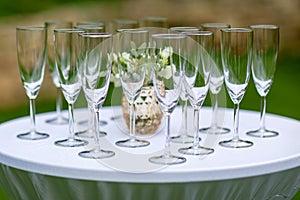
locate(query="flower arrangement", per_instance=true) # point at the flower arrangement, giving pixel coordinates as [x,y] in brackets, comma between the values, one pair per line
[138,55]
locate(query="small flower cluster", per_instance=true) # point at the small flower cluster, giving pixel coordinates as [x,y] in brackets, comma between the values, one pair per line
[134,58]
[164,62]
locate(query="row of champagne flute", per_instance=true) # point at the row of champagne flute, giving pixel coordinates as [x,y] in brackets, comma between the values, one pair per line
[167,83]
[217,77]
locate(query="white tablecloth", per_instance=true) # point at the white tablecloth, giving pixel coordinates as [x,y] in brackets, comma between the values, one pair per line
[40,170]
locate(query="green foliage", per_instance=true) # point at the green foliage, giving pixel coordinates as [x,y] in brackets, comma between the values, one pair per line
[3,195]
[8,7]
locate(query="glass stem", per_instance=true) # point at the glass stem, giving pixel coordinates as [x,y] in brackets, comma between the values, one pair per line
[196,127]
[167,143]
[236,122]
[58,102]
[132,122]
[71,121]
[96,127]
[32,116]
[184,116]
[91,118]
[214,101]
[263,105]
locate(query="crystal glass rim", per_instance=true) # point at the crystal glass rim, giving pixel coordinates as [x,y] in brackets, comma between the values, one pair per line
[58,22]
[264,26]
[90,23]
[180,28]
[89,26]
[245,30]
[169,36]
[96,35]
[68,30]
[31,28]
[215,25]
[155,19]
[195,33]
[132,30]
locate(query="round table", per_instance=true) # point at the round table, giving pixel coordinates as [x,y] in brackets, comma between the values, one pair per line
[40,170]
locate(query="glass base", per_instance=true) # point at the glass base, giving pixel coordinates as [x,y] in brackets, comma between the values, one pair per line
[132,143]
[71,143]
[183,139]
[167,160]
[101,122]
[215,130]
[236,143]
[89,134]
[196,150]
[262,133]
[59,120]
[96,154]
[33,136]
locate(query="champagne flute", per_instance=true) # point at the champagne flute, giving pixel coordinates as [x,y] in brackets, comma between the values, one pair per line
[89,27]
[167,80]
[133,57]
[51,25]
[66,45]
[31,52]
[96,70]
[265,53]
[183,135]
[236,50]
[115,27]
[216,78]
[196,78]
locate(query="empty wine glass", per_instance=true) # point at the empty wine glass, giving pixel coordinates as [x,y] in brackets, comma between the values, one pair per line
[265,53]
[51,25]
[133,57]
[96,70]
[67,54]
[236,50]
[216,78]
[167,80]
[196,79]
[90,27]
[183,135]
[31,52]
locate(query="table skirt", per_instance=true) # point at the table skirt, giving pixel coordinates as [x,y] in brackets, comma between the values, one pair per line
[23,185]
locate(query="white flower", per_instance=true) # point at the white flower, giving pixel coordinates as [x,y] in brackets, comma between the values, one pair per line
[167,52]
[126,56]
[167,72]
[115,57]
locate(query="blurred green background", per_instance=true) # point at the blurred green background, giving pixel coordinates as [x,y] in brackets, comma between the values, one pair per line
[283,98]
